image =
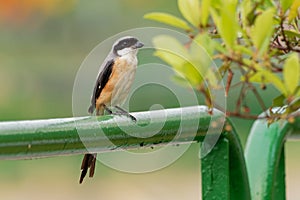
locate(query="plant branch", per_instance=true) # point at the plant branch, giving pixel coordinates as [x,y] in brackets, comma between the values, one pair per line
[258,97]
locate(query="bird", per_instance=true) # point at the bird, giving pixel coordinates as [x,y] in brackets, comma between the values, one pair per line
[115,77]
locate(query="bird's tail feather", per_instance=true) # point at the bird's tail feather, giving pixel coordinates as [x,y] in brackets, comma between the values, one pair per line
[88,162]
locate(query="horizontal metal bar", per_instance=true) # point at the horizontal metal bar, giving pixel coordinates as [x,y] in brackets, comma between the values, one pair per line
[51,137]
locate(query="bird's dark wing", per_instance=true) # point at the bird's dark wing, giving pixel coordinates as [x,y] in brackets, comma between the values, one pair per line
[100,84]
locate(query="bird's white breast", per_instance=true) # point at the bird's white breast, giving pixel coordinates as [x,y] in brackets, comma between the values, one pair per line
[125,68]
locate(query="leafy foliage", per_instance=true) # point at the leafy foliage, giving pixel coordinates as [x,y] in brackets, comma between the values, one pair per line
[258,38]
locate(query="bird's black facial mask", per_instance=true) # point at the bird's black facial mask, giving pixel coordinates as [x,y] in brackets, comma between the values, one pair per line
[125,43]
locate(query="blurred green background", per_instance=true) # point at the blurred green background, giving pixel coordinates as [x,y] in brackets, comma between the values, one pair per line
[42,45]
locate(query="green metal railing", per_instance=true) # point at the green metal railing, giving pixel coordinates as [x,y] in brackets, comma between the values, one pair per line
[224,170]
[265,161]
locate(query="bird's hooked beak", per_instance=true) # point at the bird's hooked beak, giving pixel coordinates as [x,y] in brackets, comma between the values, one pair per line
[138,45]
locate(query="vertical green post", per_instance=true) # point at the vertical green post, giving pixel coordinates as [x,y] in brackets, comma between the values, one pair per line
[215,172]
[279,183]
[264,155]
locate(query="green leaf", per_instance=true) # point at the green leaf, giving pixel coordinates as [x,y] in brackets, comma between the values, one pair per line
[175,54]
[217,4]
[192,73]
[291,73]
[212,78]
[171,44]
[205,6]
[226,22]
[278,101]
[294,10]
[170,58]
[171,51]
[200,51]
[246,7]
[285,4]
[168,19]
[190,10]
[297,95]
[292,33]
[265,76]
[205,41]
[215,16]
[262,30]
[243,49]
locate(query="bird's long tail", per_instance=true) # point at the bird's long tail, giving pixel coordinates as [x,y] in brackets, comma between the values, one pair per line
[88,162]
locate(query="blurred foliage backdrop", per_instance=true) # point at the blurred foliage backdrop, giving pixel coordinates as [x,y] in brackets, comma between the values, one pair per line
[42,44]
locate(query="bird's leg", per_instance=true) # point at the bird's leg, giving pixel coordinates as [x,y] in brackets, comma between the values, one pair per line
[107,109]
[124,112]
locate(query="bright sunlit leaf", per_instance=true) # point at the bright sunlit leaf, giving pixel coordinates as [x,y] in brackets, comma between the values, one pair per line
[292,33]
[294,10]
[192,73]
[171,51]
[205,41]
[291,73]
[246,7]
[285,4]
[168,19]
[205,6]
[171,44]
[170,58]
[262,30]
[227,24]
[190,10]
[265,76]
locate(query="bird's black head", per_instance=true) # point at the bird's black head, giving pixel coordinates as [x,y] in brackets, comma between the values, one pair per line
[126,45]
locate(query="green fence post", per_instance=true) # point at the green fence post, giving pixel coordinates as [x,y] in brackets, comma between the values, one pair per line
[215,172]
[264,154]
[224,173]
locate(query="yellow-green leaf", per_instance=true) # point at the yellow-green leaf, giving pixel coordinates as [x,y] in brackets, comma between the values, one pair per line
[246,7]
[212,78]
[170,50]
[294,10]
[200,50]
[168,19]
[291,73]
[262,30]
[278,101]
[190,10]
[227,23]
[292,33]
[205,6]
[297,95]
[265,76]
[205,41]
[285,4]
[243,49]
[192,73]
[174,60]
[171,44]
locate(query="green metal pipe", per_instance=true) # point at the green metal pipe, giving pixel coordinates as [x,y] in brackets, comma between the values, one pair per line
[51,137]
[264,154]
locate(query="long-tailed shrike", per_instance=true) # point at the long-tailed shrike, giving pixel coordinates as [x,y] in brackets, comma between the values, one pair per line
[112,87]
